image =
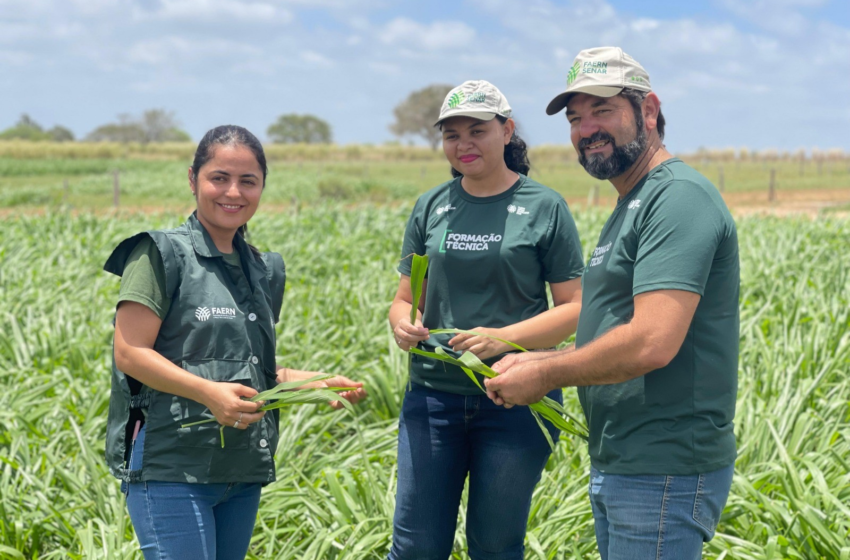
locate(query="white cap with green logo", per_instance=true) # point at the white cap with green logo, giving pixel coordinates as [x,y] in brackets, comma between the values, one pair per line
[478,99]
[601,71]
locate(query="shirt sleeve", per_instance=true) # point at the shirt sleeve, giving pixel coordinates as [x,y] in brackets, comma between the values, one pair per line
[414,239]
[143,280]
[560,248]
[677,239]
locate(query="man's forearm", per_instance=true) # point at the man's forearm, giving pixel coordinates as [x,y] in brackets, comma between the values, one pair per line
[617,356]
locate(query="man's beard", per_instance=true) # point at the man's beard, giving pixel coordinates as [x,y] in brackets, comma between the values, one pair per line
[619,161]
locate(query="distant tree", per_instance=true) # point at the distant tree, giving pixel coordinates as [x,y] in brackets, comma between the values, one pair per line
[307,129]
[27,122]
[117,132]
[61,134]
[25,129]
[162,126]
[155,125]
[416,114]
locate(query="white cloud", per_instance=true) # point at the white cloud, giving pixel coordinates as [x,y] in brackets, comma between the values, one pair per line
[173,49]
[644,24]
[15,58]
[778,16]
[316,59]
[385,68]
[439,35]
[193,10]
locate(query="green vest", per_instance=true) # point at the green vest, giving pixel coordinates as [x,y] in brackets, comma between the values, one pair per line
[220,327]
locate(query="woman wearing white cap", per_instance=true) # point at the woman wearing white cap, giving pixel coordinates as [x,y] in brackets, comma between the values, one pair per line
[494,239]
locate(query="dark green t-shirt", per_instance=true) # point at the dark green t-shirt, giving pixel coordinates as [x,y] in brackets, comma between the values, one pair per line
[144,277]
[671,232]
[489,261]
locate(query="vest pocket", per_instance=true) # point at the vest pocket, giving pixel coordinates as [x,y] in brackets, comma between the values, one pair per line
[180,411]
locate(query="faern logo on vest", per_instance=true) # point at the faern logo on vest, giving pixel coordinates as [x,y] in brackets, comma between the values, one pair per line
[207,313]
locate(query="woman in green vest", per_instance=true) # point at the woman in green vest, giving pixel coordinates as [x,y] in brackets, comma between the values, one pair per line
[194,338]
[494,239]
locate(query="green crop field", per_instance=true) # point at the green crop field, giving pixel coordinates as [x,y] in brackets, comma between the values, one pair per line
[87,183]
[336,475]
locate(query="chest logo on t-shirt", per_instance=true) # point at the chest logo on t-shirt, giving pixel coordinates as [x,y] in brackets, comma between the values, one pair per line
[635,204]
[599,254]
[206,313]
[518,210]
[445,208]
[468,241]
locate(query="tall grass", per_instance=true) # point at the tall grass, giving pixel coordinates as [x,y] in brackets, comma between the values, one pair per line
[334,496]
[88,183]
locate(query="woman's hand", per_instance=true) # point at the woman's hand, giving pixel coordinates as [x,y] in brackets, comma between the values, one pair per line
[481,346]
[357,393]
[225,401]
[408,335]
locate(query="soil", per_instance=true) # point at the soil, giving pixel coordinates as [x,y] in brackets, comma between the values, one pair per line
[808,202]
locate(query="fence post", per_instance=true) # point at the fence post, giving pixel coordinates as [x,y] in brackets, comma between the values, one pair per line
[593,196]
[116,189]
[771,189]
[721,180]
[65,191]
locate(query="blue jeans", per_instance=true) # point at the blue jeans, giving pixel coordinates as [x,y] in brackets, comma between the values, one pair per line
[657,517]
[442,437]
[182,521]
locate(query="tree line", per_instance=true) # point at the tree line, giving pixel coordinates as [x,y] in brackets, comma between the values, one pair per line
[414,116]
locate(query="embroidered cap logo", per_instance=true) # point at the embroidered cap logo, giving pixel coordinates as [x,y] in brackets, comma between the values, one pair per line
[573,73]
[456,99]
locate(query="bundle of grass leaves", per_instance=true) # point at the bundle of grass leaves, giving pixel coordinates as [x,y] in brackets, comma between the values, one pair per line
[291,393]
[546,408]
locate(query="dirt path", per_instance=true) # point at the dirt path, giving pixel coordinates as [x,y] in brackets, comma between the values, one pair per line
[809,202]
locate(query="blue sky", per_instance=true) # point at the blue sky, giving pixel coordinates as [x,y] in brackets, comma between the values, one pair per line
[730,73]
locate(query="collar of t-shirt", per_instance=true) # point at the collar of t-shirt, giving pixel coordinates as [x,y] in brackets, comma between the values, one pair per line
[461,192]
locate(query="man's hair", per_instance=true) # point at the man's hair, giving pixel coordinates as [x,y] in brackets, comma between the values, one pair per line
[636,97]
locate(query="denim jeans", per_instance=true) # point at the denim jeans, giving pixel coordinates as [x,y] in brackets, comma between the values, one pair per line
[183,521]
[442,437]
[657,517]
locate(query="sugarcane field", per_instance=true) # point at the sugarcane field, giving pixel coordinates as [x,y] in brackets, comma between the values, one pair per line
[338,231]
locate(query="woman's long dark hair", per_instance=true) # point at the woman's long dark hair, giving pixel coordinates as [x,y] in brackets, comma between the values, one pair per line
[230,135]
[516,154]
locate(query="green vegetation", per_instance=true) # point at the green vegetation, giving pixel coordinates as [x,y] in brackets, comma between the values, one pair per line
[336,477]
[347,174]
[295,129]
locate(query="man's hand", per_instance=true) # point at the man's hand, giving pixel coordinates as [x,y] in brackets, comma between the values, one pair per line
[481,346]
[520,381]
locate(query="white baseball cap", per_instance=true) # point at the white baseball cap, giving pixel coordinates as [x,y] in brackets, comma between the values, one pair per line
[478,99]
[603,72]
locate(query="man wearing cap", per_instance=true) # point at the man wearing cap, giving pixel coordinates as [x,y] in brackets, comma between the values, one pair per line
[656,353]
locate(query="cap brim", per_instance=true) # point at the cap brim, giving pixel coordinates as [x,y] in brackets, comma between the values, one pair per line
[480,115]
[560,101]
